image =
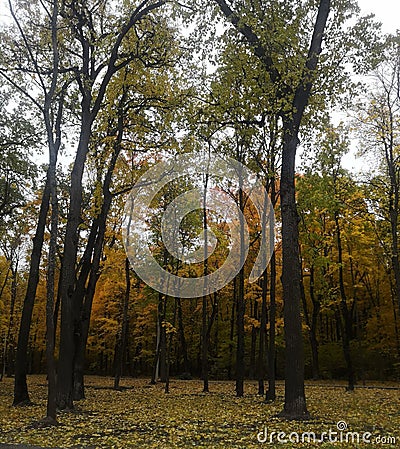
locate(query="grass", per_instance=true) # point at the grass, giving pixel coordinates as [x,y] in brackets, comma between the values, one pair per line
[143,416]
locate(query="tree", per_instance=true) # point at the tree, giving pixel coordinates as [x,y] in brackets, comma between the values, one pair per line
[333,185]
[18,137]
[17,172]
[94,71]
[296,98]
[40,68]
[11,246]
[290,57]
[379,117]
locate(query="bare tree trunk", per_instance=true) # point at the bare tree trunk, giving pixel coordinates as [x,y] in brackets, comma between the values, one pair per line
[121,344]
[163,342]
[316,301]
[240,309]
[21,395]
[204,339]
[8,347]
[186,367]
[204,346]
[50,343]
[156,363]
[232,328]
[263,335]
[311,324]
[84,288]
[69,309]
[271,392]
[346,328]
[169,339]
[254,332]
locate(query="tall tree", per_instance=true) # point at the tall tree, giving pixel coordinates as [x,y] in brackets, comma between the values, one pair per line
[94,71]
[290,56]
[40,68]
[378,120]
[295,98]
[53,128]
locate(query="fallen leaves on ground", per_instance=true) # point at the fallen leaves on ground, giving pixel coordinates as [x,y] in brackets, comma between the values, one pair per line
[143,416]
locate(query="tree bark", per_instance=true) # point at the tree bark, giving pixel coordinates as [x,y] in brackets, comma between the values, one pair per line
[295,403]
[232,328]
[182,339]
[311,324]
[316,302]
[50,341]
[345,313]
[90,264]
[121,344]
[263,335]
[204,346]
[159,365]
[271,392]
[8,347]
[69,313]
[21,395]
[254,333]
[204,339]
[240,308]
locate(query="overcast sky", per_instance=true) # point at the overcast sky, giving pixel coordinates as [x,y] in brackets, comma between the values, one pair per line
[386,11]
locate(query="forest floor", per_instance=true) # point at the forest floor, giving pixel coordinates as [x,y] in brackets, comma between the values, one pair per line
[143,416]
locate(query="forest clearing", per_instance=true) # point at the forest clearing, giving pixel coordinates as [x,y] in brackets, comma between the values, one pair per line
[186,257]
[143,416]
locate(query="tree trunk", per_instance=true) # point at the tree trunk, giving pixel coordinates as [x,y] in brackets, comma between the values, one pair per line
[8,347]
[204,339]
[52,126]
[346,328]
[84,294]
[121,344]
[232,328]
[240,308]
[314,340]
[169,338]
[295,402]
[254,332]
[186,367]
[271,392]
[395,249]
[163,344]
[51,268]
[159,366]
[70,331]
[263,335]
[311,324]
[69,309]
[156,363]
[21,395]
[204,346]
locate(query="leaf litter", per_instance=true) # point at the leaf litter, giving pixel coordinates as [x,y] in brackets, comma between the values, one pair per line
[143,416]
